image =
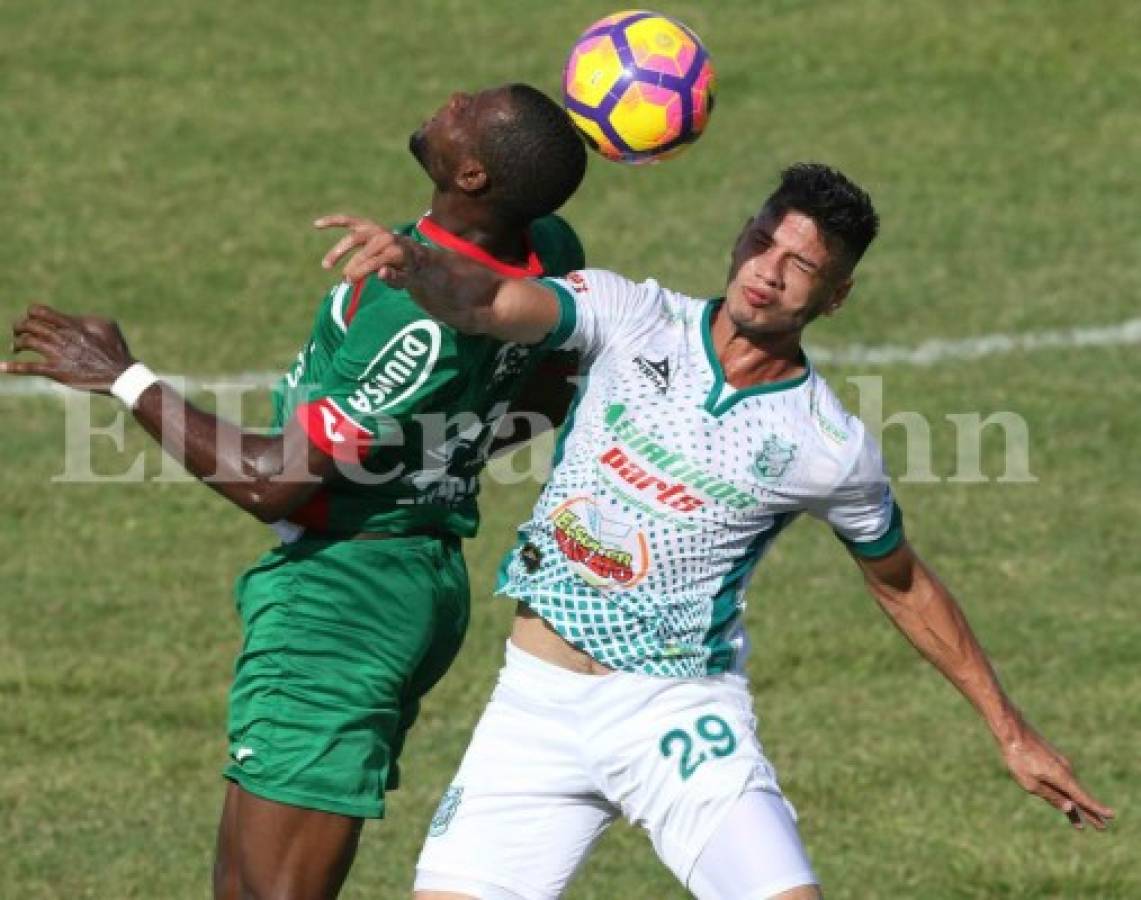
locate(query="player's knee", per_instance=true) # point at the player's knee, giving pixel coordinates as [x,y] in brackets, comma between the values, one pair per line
[227,885]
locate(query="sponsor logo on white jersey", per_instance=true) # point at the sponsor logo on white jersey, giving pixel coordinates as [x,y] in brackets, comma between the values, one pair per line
[603,551]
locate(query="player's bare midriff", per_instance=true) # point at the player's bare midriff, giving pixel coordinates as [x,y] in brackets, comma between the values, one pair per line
[532,634]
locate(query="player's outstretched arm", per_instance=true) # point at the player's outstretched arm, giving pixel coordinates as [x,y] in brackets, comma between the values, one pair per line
[928,615]
[455,290]
[266,476]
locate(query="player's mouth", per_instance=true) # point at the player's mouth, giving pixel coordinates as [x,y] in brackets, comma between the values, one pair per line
[758,297]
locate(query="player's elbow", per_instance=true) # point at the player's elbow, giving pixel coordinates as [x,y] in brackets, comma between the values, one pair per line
[265,513]
[266,504]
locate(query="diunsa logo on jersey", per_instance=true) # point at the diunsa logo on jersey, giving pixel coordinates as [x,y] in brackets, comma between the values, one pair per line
[399,369]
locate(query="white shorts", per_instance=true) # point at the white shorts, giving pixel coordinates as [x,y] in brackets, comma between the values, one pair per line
[558,755]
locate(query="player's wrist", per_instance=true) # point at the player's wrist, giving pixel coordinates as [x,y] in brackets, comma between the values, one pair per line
[128,387]
[1008,727]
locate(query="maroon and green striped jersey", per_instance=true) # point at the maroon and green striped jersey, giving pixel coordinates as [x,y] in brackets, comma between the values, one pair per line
[406,403]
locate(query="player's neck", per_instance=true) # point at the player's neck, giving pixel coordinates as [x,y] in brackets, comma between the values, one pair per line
[472,223]
[752,360]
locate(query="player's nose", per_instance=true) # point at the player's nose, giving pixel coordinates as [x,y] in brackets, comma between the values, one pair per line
[766,267]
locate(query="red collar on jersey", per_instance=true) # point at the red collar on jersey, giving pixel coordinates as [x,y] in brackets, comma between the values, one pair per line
[444,238]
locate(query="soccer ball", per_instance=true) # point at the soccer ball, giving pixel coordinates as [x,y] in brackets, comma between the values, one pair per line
[639,86]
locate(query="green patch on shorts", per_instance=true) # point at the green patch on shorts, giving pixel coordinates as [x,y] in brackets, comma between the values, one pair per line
[446,811]
[340,641]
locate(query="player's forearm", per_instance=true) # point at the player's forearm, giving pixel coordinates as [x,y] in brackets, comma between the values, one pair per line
[453,289]
[932,620]
[246,469]
[475,300]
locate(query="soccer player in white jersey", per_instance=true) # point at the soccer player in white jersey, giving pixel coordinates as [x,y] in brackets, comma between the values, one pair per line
[700,432]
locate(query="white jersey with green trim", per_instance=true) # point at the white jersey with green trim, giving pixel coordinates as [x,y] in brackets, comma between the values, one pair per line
[669,485]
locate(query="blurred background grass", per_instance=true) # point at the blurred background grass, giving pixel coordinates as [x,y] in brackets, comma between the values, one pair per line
[162,162]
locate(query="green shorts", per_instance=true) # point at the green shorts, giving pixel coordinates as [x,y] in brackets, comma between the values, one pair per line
[341,639]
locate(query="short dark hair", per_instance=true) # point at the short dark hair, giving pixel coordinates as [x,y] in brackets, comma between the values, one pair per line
[839,207]
[534,158]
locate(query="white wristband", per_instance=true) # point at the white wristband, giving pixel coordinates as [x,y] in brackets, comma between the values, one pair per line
[129,386]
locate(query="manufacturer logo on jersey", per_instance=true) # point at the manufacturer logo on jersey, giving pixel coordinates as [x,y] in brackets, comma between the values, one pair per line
[774,459]
[603,552]
[658,372]
[509,364]
[399,369]
[294,375]
[446,811]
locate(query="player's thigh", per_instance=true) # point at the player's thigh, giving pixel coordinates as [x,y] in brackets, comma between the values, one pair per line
[522,812]
[269,849]
[449,598]
[677,755]
[333,632]
[756,853]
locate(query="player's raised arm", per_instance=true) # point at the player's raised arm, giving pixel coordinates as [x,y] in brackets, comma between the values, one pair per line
[928,615]
[455,290]
[267,476]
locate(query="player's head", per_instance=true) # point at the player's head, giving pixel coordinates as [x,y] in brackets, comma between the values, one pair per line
[794,260]
[511,147]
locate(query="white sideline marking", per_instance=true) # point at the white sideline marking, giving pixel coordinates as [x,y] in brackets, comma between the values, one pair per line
[936,351]
[928,353]
[190,384]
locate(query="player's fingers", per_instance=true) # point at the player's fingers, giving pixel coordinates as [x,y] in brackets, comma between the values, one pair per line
[24,367]
[361,265]
[380,250]
[344,245]
[1097,813]
[1059,801]
[35,343]
[48,314]
[337,220]
[390,276]
[29,326]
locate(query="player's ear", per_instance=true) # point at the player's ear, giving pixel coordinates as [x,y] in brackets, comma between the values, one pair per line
[471,176]
[839,296]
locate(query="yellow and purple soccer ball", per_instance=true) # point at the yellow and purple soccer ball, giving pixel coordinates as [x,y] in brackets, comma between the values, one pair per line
[639,86]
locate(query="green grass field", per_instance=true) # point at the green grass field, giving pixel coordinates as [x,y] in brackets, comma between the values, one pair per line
[162,162]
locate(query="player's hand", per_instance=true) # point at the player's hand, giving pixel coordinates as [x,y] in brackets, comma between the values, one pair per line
[1046,773]
[377,249]
[83,352]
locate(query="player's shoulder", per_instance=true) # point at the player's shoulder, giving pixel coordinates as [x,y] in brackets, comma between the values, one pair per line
[557,244]
[644,307]
[552,228]
[607,284]
[837,431]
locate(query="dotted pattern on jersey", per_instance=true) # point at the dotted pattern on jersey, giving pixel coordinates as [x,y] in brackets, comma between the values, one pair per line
[658,510]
